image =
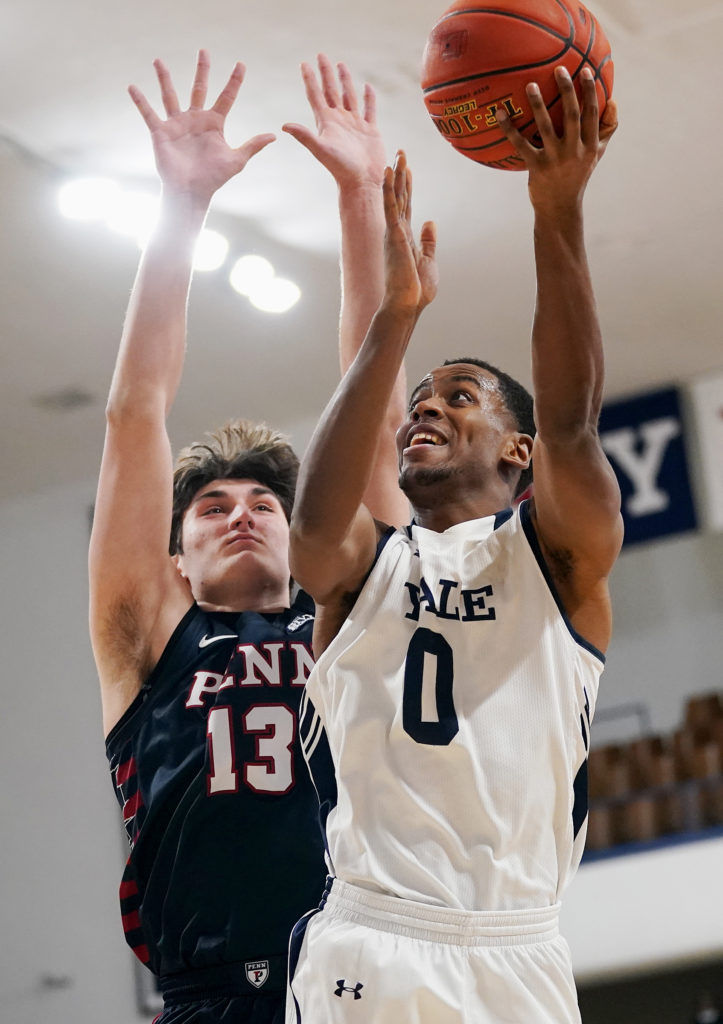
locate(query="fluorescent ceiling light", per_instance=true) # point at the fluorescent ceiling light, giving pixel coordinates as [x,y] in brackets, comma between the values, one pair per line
[275,296]
[211,250]
[250,273]
[88,198]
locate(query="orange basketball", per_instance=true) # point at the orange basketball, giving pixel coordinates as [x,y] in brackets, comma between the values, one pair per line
[480,57]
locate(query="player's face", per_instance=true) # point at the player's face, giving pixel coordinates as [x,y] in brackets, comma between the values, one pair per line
[457,425]
[234,530]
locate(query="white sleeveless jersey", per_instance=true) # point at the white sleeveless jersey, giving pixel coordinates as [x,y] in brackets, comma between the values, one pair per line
[447,724]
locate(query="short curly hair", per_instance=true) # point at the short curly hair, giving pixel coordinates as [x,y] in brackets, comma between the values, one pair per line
[239,450]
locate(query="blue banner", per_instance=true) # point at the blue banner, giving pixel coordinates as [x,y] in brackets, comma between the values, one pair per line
[644,439]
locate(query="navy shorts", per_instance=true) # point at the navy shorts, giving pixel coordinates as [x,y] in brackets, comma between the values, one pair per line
[226,995]
[256,1009]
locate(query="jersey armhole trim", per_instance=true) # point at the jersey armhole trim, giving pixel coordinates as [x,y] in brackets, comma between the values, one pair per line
[382,543]
[389,532]
[142,694]
[529,531]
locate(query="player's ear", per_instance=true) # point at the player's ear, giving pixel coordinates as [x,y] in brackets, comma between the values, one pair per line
[178,562]
[518,450]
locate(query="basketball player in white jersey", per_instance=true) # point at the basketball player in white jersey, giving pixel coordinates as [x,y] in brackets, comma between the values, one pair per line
[447,719]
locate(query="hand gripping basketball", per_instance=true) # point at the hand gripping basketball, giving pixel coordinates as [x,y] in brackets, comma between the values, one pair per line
[479,60]
[560,167]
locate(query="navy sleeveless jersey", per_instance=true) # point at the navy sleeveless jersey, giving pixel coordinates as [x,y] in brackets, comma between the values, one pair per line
[220,811]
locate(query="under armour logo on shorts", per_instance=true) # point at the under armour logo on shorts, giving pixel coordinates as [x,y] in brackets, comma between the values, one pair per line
[348,988]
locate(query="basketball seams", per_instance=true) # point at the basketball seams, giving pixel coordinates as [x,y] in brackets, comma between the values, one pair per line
[482,87]
[568,40]
[519,17]
[497,71]
[585,54]
[550,106]
[598,75]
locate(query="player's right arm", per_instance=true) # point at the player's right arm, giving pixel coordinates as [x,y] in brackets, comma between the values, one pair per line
[348,143]
[136,595]
[333,534]
[576,506]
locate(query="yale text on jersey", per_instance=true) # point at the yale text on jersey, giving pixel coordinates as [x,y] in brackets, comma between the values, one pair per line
[447,600]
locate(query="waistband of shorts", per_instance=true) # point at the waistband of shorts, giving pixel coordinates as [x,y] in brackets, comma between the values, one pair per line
[228,980]
[441,924]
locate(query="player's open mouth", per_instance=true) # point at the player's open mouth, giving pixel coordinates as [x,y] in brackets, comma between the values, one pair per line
[422,437]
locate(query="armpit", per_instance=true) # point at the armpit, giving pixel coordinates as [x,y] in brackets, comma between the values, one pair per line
[330,618]
[123,642]
[561,562]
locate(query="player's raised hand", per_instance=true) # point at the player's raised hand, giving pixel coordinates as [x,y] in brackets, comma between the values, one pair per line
[411,274]
[561,167]
[191,152]
[346,141]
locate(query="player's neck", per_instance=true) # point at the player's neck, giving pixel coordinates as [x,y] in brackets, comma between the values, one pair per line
[439,515]
[260,596]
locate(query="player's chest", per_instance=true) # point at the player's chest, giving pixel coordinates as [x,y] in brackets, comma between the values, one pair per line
[233,715]
[240,670]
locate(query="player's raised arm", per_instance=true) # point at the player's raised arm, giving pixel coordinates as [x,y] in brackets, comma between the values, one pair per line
[137,596]
[348,143]
[333,534]
[577,500]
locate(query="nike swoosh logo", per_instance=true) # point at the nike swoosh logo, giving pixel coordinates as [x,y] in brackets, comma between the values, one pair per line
[206,640]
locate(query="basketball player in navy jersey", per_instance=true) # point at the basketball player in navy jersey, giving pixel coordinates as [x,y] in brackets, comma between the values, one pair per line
[446,721]
[202,653]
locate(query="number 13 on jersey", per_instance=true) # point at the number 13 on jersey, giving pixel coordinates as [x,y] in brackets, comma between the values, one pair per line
[272,770]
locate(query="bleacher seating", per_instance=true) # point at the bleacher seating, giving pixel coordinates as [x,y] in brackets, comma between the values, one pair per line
[659,785]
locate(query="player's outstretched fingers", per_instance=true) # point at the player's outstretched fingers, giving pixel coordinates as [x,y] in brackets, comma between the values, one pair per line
[146,111]
[228,94]
[303,135]
[311,87]
[370,104]
[525,150]
[570,107]
[608,123]
[389,196]
[590,119]
[251,148]
[541,115]
[168,93]
[315,98]
[199,89]
[328,81]
[408,194]
[401,182]
[348,91]
[428,239]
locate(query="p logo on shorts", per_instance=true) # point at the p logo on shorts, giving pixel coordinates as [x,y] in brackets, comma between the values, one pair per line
[257,972]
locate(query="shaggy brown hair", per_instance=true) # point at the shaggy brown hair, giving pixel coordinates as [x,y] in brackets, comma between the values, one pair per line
[239,450]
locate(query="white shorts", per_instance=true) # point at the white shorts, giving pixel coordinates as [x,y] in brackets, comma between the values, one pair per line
[365,958]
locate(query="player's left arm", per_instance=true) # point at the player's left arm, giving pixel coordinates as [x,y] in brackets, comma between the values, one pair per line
[576,508]
[348,143]
[333,536]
